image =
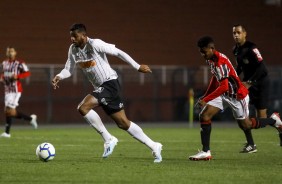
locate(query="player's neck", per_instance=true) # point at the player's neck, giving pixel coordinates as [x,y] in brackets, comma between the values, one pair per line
[83,44]
[242,43]
[11,59]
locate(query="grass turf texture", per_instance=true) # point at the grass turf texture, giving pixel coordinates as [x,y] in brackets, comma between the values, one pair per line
[78,157]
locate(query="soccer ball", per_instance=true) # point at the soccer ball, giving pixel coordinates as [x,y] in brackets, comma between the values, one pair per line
[45,152]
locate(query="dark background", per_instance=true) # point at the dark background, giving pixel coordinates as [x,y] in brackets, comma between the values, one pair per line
[155,32]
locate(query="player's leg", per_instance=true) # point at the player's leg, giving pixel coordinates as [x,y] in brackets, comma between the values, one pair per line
[261,113]
[8,116]
[135,131]
[85,108]
[211,109]
[10,112]
[242,116]
[31,118]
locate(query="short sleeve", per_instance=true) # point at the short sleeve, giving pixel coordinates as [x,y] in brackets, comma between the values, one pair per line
[23,67]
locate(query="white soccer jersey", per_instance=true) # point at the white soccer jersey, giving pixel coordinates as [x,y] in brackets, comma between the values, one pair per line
[92,60]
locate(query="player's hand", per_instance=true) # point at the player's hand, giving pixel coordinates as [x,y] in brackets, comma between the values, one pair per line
[55,82]
[200,103]
[14,77]
[145,69]
[246,84]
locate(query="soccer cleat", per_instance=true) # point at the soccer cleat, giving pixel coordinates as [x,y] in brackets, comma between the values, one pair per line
[278,122]
[5,135]
[33,121]
[109,147]
[201,156]
[157,153]
[249,148]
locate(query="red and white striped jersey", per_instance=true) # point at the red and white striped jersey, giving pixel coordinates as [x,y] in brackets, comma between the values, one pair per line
[221,70]
[11,69]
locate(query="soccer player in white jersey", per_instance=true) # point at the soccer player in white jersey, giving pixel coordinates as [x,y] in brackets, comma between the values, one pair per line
[90,56]
[13,70]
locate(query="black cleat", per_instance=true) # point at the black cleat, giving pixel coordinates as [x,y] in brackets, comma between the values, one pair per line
[249,148]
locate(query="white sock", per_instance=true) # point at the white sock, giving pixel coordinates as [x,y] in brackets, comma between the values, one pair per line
[138,134]
[95,121]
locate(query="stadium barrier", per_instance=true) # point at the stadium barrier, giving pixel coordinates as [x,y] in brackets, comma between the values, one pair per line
[157,97]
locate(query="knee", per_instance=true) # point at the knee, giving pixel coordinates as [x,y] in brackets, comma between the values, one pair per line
[204,117]
[10,112]
[83,109]
[245,125]
[123,123]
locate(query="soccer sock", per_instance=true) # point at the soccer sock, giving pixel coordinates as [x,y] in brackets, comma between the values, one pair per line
[23,116]
[138,134]
[280,137]
[8,124]
[95,121]
[248,135]
[205,135]
[262,122]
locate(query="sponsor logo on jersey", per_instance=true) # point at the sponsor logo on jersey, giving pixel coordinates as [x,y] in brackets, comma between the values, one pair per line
[86,64]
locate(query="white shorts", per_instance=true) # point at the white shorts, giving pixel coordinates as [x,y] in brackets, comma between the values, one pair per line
[240,108]
[12,99]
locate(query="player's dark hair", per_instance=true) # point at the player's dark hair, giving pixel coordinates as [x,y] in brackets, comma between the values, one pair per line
[78,27]
[240,25]
[205,41]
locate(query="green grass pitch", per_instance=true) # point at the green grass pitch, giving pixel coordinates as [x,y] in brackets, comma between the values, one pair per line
[79,149]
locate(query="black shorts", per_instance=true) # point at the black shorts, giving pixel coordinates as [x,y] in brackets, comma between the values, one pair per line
[108,96]
[259,93]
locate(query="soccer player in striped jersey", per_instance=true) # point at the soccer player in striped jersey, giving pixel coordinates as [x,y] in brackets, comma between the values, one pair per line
[13,70]
[90,56]
[225,90]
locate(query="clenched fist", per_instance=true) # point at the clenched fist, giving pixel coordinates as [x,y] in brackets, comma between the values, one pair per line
[145,69]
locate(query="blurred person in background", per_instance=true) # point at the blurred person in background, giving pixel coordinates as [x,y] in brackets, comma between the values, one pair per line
[13,70]
[251,65]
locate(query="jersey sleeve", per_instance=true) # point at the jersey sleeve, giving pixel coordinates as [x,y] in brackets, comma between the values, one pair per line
[256,54]
[110,49]
[222,72]
[260,68]
[212,86]
[104,47]
[222,88]
[69,66]
[24,71]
